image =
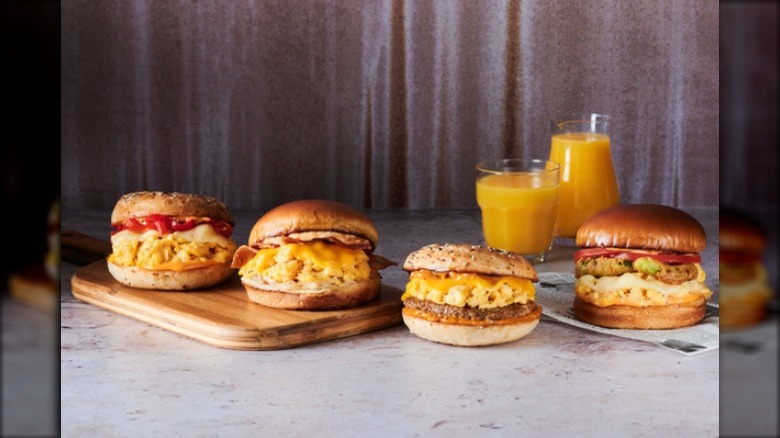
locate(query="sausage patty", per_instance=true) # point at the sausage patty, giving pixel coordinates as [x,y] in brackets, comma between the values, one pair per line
[648,267]
[512,311]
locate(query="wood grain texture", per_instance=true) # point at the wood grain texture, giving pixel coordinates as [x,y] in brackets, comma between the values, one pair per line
[83,249]
[33,287]
[224,317]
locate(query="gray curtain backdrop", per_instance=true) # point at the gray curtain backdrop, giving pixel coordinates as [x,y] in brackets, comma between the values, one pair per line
[380,104]
[749,96]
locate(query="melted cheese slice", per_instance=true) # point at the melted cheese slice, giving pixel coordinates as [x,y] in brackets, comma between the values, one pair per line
[195,248]
[310,266]
[630,289]
[465,289]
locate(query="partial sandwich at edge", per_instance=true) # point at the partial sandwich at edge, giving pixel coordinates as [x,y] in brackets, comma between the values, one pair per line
[639,267]
[745,294]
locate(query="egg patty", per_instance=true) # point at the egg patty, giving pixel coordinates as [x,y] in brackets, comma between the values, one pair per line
[631,289]
[178,251]
[465,289]
[316,264]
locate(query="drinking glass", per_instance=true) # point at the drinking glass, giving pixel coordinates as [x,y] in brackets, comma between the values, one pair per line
[519,200]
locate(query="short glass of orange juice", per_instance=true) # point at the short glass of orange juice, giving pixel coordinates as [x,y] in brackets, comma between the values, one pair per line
[519,200]
[581,145]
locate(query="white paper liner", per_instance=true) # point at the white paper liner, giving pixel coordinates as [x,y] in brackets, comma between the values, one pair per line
[555,292]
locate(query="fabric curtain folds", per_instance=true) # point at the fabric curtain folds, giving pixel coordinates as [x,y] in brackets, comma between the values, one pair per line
[380,104]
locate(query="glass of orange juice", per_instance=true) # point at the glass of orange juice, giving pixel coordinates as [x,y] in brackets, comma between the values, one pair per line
[581,145]
[519,201]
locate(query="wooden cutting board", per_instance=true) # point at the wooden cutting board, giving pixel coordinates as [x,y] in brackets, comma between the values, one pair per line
[224,317]
[33,287]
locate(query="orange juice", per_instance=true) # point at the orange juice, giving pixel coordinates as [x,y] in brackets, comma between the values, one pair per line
[588,181]
[518,211]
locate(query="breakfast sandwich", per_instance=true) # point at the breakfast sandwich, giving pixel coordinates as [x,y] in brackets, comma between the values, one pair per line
[311,255]
[745,294]
[639,267]
[469,295]
[170,241]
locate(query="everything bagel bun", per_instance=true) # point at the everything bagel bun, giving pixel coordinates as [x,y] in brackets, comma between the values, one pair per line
[141,278]
[311,254]
[141,204]
[745,294]
[170,241]
[469,295]
[639,267]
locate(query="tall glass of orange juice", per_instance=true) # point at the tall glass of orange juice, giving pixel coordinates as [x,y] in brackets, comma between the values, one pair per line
[519,200]
[581,146]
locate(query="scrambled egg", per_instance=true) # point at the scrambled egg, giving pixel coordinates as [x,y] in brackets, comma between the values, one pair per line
[316,264]
[178,251]
[472,290]
[632,290]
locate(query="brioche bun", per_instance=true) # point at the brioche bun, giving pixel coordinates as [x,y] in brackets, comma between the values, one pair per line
[745,308]
[632,317]
[141,204]
[466,325]
[643,226]
[313,215]
[304,222]
[348,295]
[613,241]
[740,232]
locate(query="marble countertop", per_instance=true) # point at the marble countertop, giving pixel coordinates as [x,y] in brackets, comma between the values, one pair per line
[122,377]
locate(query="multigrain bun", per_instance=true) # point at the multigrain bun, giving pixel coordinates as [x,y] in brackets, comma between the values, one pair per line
[170,280]
[170,241]
[639,268]
[469,258]
[470,335]
[313,215]
[745,294]
[643,226]
[311,254]
[140,204]
[469,295]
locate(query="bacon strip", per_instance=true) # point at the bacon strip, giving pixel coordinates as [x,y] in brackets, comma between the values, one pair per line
[348,240]
[377,262]
[242,256]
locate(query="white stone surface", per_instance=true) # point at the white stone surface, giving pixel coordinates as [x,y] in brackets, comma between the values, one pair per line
[122,377]
[29,371]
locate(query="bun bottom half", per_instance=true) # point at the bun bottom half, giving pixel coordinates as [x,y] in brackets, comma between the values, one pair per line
[742,311]
[468,335]
[345,296]
[631,317]
[140,278]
